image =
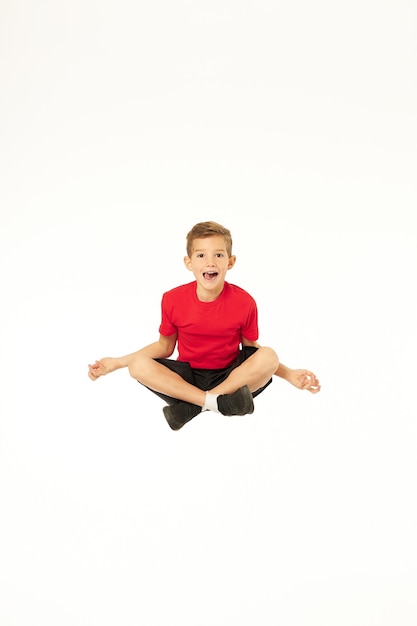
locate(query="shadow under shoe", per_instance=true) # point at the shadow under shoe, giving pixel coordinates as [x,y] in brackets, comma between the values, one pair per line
[239,402]
[180,413]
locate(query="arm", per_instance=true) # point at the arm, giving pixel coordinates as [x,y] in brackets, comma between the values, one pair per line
[161,349]
[300,378]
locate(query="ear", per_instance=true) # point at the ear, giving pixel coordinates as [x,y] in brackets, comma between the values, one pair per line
[187,263]
[232,261]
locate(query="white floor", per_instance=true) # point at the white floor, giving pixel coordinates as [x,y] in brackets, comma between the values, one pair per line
[121,126]
[295,515]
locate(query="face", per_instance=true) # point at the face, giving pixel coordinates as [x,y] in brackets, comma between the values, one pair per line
[209,263]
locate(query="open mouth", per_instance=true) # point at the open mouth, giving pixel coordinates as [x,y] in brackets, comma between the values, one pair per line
[210,275]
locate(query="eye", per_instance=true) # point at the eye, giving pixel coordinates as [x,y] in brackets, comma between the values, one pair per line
[220,254]
[200,255]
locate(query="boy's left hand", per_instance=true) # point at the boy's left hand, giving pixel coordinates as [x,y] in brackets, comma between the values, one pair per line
[305,380]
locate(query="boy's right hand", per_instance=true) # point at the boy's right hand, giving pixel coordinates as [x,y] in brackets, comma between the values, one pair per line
[101,368]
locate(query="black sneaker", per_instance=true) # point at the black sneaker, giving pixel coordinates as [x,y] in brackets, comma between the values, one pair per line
[238,403]
[180,413]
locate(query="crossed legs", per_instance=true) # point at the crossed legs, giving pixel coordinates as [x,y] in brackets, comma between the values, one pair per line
[254,372]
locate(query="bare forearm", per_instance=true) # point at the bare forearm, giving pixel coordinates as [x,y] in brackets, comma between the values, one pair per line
[124,361]
[154,351]
[161,349]
[300,378]
[283,371]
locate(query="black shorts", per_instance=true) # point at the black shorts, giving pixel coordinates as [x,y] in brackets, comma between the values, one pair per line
[206,379]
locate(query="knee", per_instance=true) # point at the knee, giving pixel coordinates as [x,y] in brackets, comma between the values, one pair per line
[135,368]
[271,359]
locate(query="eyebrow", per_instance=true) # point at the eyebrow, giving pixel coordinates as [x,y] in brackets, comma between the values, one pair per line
[204,250]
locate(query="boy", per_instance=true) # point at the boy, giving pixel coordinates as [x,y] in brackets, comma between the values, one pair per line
[208,319]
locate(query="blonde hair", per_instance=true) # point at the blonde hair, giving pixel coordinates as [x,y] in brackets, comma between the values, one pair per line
[209,229]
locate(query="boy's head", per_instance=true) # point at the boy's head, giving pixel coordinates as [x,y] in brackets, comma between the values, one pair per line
[209,229]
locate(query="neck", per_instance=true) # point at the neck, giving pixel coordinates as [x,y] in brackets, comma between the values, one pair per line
[208,295]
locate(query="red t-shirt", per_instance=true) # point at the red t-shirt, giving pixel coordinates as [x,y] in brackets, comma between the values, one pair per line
[209,333]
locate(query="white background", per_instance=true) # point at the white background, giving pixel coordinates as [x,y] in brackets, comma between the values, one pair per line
[122,124]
